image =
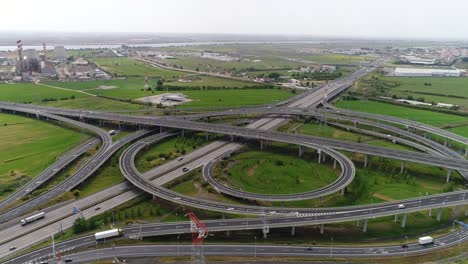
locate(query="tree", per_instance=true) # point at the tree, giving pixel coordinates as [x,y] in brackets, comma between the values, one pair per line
[76,193]
[80,225]
[159,85]
[274,75]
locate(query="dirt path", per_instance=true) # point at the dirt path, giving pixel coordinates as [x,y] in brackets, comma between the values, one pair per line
[65,89]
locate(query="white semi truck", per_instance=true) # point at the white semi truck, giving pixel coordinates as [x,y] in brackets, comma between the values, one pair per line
[108,234]
[32,218]
[426,240]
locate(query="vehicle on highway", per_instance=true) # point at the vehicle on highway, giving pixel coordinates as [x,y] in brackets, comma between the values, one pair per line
[111,132]
[230,208]
[32,218]
[180,158]
[404,246]
[97,208]
[185,169]
[401,206]
[108,234]
[425,240]
[68,260]
[309,248]
[12,248]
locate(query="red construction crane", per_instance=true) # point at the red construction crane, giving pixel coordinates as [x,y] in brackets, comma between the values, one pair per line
[199,233]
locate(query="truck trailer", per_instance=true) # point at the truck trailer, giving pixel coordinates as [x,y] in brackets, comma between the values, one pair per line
[426,240]
[108,234]
[32,218]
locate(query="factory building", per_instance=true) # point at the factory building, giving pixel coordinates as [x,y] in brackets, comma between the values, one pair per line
[413,72]
[60,53]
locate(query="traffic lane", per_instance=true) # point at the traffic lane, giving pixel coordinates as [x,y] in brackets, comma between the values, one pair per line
[253,251]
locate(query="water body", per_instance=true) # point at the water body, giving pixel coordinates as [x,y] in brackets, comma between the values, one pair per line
[156,45]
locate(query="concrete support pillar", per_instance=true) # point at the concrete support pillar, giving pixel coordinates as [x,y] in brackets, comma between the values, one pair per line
[100,123]
[364,226]
[293,230]
[439,214]
[321,200]
[155,197]
[358,223]
[445,142]
[430,212]
[396,218]
[261,143]
[324,157]
[334,163]
[425,135]
[355,124]
[403,220]
[232,138]
[301,151]
[207,137]
[322,227]
[183,132]
[466,212]
[320,157]
[449,171]
[402,169]
[342,191]
[160,130]
[265,231]
[366,160]
[119,126]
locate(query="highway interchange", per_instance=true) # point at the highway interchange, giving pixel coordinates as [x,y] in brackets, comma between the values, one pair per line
[273,116]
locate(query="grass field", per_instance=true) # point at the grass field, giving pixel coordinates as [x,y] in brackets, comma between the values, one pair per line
[331,132]
[122,66]
[431,89]
[337,58]
[29,146]
[166,150]
[132,89]
[274,172]
[30,92]
[427,117]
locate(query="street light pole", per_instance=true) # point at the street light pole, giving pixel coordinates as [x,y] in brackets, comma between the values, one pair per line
[331,248]
[255,248]
[406,247]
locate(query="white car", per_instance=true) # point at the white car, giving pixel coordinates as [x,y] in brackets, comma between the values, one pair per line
[401,206]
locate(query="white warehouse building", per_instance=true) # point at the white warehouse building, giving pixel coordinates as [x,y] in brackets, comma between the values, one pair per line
[427,72]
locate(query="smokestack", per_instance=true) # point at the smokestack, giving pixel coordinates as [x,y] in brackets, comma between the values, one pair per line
[19,45]
[44,48]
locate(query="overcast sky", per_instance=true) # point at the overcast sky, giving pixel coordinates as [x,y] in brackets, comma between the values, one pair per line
[433,19]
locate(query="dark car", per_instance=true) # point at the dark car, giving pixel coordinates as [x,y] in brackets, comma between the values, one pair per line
[68,260]
[185,169]
[404,246]
[309,248]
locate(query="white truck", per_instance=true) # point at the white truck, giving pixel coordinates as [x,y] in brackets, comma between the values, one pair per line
[108,234]
[111,132]
[32,218]
[426,240]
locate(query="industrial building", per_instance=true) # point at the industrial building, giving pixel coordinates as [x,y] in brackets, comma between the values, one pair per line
[60,53]
[408,72]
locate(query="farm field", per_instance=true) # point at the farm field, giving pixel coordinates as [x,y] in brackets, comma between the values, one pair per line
[28,146]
